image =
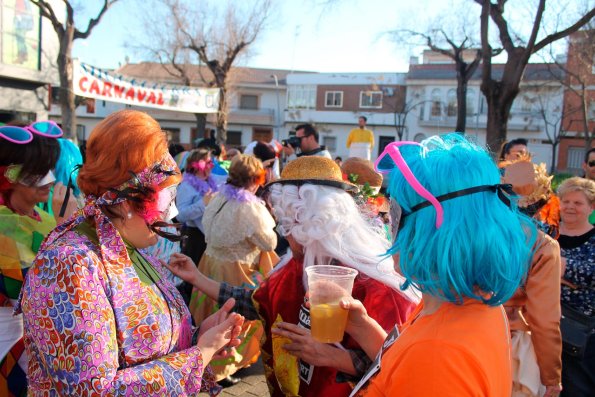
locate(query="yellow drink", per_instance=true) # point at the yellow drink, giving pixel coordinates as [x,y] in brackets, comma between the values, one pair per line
[327,322]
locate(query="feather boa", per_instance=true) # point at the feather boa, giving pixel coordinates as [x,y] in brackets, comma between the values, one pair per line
[201,186]
[231,192]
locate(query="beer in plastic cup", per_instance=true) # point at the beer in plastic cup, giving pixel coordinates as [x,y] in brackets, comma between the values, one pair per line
[327,286]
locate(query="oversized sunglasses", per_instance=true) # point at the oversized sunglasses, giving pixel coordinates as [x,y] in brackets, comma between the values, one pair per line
[23,135]
[591,163]
[392,156]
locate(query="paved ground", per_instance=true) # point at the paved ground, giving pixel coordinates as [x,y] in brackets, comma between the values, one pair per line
[252,383]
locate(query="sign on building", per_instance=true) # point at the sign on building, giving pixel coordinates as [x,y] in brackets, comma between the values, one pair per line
[91,82]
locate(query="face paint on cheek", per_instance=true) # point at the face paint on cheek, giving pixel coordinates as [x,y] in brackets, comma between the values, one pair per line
[171,213]
[166,203]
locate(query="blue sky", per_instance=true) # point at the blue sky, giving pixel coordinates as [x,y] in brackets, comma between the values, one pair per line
[346,36]
[305,35]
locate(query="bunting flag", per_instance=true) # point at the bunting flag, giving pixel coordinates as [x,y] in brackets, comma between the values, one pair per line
[91,82]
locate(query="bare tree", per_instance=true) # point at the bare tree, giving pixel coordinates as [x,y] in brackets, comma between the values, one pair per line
[204,41]
[178,67]
[402,113]
[501,92]
[553,113]
[67,32]
[439,41]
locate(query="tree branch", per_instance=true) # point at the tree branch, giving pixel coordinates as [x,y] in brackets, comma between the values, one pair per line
[496,12]
[536,26]
[47,11]
[486,49]
[563,33]
[94,21]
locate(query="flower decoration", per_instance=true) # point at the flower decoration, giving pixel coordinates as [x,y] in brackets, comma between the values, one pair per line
[12,172]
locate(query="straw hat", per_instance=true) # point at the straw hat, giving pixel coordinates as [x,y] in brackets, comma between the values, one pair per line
[364,169]
[314,170]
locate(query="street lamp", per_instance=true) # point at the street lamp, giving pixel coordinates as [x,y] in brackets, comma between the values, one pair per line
[278,113]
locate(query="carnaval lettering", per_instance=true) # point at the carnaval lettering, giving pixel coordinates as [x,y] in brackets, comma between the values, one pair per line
[91,82]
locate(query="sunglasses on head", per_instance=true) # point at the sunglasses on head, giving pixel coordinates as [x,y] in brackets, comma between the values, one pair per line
[23,135]
[391,157]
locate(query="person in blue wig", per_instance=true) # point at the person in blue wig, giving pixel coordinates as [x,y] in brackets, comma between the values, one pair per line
[65,172]
[460,240]
[66,167]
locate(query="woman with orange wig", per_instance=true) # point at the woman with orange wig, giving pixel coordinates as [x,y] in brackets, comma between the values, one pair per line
[101,316]
[240,238]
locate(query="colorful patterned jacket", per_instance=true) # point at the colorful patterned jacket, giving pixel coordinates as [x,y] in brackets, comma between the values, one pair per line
[93,328]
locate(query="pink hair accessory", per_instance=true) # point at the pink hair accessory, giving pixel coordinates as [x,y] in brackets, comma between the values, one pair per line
[392,150]
[202,165]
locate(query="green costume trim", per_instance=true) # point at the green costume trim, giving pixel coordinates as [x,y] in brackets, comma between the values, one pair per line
[147,274]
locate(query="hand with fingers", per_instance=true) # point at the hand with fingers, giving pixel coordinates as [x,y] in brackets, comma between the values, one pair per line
[363,328]
[358,319]
[220,330]
[183,267]
[304,346]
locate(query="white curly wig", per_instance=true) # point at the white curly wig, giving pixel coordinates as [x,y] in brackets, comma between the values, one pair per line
[328,224]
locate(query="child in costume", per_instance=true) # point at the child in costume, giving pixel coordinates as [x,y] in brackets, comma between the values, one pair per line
[28,153]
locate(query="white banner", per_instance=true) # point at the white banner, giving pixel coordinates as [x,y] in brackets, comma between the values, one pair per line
[91,82]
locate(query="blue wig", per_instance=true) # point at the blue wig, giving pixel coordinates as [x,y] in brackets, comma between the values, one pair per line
[70,156]
[483,248]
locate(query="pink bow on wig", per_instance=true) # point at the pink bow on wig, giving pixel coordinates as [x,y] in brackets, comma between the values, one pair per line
[201,165]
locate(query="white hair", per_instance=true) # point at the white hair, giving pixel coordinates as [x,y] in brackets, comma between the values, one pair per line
[328,224]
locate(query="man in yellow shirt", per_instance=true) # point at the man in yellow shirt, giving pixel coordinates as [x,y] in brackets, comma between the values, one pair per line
[360,140]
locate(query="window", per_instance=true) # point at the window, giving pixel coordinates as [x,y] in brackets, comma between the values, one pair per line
[173,134]
[80,132]
[451,103]
[436,103]
[249,102]
[330,142]
[55,92]
[234,139]
[591,111]
[370,99]
[470,98]
[301,97]
[524,103]
[576,156]
[333,99]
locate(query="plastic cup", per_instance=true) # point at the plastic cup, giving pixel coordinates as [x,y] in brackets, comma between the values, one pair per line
[327,286]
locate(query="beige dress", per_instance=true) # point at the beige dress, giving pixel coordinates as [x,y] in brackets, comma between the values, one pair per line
[237,233]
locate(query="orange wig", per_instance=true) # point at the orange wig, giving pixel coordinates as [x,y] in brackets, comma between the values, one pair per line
[124,141]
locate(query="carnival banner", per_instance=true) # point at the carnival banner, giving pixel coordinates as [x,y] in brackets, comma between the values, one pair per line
[91,82]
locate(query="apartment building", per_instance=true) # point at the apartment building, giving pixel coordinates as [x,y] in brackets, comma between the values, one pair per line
[334,102]
[432,102]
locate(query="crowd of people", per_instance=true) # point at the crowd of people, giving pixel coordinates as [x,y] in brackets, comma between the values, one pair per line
[143,268]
